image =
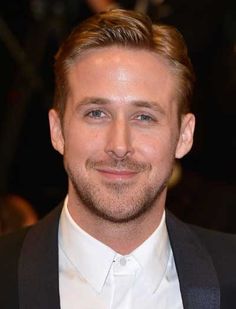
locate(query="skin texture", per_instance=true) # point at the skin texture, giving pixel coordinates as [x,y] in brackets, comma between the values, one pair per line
[119,138]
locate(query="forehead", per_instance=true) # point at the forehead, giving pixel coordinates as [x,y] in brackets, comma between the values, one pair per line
[121,71]
[105,57]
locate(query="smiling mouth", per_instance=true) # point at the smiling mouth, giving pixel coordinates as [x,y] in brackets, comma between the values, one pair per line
[116,174]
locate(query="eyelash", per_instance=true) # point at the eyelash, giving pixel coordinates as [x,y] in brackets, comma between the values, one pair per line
[150,118]
[90,114]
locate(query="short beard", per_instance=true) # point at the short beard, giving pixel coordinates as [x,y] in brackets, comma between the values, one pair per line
[92,199]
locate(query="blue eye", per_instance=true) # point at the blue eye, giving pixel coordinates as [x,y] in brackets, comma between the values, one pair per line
[144,117]
[96,114]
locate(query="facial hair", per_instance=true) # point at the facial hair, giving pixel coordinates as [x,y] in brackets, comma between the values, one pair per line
[120,202]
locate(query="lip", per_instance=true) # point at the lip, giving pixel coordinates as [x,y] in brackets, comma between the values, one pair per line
[117,174]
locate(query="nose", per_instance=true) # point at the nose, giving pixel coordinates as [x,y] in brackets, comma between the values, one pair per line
[119,144]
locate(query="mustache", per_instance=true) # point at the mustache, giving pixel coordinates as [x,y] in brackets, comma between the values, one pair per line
[125,164]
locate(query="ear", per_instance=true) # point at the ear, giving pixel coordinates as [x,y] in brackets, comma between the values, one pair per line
[57,138]
[185,141]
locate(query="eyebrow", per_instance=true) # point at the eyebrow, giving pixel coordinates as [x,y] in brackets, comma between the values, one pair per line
[151,105]
[138,103]
[94,100]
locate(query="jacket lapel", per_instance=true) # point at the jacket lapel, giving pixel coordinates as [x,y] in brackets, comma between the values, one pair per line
[38,265]
[198,281]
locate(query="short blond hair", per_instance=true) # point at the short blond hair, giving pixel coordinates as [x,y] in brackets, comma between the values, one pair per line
[128,29]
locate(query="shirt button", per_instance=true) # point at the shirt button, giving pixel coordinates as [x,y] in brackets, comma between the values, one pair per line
[123,261]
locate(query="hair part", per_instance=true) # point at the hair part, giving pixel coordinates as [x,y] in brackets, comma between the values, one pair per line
[127,29]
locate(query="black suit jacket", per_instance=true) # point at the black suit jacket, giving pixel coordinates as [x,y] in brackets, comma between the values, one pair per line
[205,262]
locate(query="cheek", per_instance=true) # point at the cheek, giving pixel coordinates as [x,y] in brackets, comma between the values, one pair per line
[82,144]
[156,150]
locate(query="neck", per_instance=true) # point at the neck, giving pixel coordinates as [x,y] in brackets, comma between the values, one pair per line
[121,237]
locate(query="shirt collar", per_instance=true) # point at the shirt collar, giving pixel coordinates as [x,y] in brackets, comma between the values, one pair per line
[153,255]
[93,259]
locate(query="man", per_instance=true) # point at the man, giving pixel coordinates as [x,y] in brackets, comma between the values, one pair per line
[121,118]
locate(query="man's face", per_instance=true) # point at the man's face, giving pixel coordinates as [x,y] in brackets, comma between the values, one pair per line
[120,133]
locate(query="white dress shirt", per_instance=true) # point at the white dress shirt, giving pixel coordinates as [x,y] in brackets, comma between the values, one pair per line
[93,276]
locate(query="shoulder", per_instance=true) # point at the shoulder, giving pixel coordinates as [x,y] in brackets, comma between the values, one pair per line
[194,245]
[12,242]
[26,247]
[10,248]
[218,244]
[222,249]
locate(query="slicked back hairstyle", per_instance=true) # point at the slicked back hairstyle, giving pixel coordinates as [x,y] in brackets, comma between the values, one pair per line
[128,29]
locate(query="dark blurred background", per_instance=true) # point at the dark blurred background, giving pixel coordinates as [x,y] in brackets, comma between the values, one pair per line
[30,33]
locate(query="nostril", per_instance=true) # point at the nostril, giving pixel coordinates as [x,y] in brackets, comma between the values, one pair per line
[119,154]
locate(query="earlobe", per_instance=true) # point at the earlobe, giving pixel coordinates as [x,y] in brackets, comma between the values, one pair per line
[185,141]
[56,131]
